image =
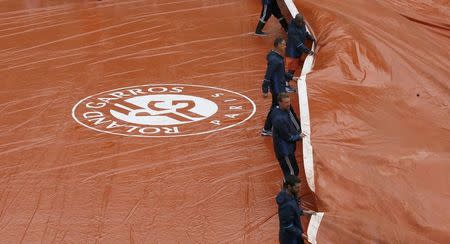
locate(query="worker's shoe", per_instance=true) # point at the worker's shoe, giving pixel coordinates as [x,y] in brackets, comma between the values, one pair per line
[259,28]
[265,132]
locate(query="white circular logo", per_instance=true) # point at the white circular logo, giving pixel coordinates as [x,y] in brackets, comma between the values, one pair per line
[163,110]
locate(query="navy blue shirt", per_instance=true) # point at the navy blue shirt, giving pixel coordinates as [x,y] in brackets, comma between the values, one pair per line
[276,75]
[289,213]
[296,38]
[286,132]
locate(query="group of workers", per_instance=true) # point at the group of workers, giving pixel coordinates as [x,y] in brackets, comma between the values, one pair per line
[281,122]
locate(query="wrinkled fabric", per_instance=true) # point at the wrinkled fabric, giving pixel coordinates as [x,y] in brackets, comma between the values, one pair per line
[379,105]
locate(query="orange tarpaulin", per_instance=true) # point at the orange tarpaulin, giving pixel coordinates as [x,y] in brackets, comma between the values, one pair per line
[379,95]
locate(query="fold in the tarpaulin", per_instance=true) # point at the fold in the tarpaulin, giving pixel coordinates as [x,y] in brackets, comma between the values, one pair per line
[378,97]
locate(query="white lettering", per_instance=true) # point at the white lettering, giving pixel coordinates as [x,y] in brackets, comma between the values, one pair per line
[236,107]
[230,100]
[118,94]
[106,99]
[95,114]
[217,95]
[233,116]
[132,128]
[136,91]
[99,121]
[173,130]
[98,105]
[114,124]
[149,130]
[157,89]
[216,122]
[177,89]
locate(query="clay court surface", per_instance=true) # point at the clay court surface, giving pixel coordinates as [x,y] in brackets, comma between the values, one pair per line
[378,100]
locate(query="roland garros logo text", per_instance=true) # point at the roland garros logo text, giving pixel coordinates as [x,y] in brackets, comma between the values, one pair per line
[163,110]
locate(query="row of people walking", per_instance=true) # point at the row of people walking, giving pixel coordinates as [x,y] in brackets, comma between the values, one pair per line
[281,122]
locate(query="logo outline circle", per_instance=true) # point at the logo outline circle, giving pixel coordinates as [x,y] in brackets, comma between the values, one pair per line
[166,136]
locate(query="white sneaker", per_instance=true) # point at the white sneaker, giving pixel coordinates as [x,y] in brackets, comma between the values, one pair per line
[266,132]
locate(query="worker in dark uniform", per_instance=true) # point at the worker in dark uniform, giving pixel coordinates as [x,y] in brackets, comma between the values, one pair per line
[270,7]
[275,79]
[295,45]
[285,133]
[289,211]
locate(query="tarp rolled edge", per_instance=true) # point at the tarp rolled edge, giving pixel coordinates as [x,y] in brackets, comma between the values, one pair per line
[308,161]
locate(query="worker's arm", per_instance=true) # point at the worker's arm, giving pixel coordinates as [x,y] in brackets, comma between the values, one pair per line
[271,67]
[280,126]
[295,36]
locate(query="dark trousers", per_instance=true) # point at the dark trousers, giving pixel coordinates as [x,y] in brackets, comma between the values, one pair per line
[268,123]
[290,238]
[269,10]
[288,165]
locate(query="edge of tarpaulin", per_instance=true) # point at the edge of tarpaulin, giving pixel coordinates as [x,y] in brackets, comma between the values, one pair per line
[308,161]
